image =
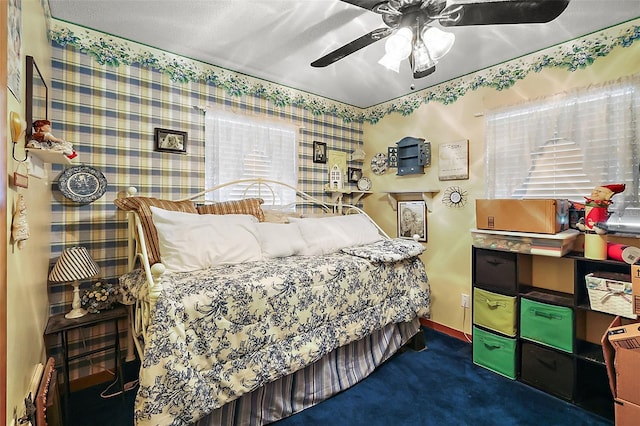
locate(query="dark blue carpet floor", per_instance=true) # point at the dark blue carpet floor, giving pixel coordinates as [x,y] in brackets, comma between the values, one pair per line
[441,386]
[438,386]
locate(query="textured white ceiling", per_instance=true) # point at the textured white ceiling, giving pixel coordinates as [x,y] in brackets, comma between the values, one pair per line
[276,40]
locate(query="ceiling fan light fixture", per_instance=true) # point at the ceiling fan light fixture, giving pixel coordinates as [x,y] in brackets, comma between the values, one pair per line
[438,42]
[397,48]
[421,59]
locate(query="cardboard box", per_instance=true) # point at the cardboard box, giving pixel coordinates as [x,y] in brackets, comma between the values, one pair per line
[544,216]
[626,413]
[635,282]
[625,336]
[623,365]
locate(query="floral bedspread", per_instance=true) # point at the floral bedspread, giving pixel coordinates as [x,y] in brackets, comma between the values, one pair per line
[222,332]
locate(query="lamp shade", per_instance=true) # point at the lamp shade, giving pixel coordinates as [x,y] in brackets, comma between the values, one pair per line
[437,41]
[74,264]
[397,48]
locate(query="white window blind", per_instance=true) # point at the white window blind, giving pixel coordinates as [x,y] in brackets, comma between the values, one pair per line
[239,147]
[565,146]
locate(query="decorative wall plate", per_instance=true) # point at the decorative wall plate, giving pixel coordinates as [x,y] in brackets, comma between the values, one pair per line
[364,184]
[82,184]
[379,163]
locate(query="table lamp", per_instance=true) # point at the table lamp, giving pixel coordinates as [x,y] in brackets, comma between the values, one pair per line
[74,264]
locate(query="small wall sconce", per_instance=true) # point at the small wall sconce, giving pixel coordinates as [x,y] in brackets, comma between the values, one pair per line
[18,127]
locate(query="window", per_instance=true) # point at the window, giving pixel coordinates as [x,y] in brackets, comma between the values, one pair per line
[565,146]
[239,147]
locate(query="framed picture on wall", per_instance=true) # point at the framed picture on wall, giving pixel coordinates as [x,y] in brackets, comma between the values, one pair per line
[355,174]
[412,220]
[453,160]
[170,141]
[319,152]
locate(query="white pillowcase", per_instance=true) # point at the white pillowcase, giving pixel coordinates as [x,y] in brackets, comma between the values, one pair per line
[278,239]
[189,241]
[330,234]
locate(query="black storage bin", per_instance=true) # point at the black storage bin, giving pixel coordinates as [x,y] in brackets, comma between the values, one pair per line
[495,269]
[548,370]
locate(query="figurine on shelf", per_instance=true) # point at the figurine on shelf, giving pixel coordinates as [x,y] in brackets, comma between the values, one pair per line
[594,224]
[596,213]
[43,138]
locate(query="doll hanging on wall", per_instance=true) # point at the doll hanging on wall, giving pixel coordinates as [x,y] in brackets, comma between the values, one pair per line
[43,138]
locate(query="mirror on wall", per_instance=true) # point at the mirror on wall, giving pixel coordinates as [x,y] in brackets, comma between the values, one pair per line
[36,96]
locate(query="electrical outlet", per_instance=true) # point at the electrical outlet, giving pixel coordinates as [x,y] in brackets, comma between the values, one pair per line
[464,300]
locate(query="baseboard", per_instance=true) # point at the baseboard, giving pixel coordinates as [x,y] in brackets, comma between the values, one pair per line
[445,329]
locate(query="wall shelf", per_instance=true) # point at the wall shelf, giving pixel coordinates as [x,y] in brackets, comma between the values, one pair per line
[426,195]
[48,156]
[338,194]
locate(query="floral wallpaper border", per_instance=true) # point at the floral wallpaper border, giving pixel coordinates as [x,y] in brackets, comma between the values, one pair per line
[113,51]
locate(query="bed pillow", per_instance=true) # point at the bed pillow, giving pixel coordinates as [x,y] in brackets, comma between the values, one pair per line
[330,234]
[142,205]
[246,206]
[278,239]
[278,216]
[190,242]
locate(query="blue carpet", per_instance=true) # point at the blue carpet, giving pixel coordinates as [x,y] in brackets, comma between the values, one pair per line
[441,386]
[438,386]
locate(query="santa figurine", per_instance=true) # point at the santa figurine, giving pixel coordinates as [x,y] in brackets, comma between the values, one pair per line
[594,223]
[43,138]
[596,205]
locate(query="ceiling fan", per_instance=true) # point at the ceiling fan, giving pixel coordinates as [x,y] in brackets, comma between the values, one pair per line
[411,35]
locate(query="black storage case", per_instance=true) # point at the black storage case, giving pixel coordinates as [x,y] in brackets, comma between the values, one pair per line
[548,370]
[495,270]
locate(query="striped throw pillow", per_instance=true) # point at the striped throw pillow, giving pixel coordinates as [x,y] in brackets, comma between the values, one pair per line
[247,206]
[142,206]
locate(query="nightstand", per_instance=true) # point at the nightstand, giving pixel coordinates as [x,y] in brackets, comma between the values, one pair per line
[60,326]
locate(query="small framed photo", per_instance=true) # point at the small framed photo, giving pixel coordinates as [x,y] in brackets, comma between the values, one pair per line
[319,152]
[354,174]
[412,220]
[170,141]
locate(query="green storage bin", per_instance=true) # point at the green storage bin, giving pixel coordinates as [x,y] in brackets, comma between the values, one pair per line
[495,311]
[494,352]
[546,324]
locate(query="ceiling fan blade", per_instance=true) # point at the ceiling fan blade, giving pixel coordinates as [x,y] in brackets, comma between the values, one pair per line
[365,4]
[504,12]
[354,46]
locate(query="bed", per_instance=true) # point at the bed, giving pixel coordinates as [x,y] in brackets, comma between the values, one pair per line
[246,313]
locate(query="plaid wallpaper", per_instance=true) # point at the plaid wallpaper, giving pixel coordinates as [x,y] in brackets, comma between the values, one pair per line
[109,114]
